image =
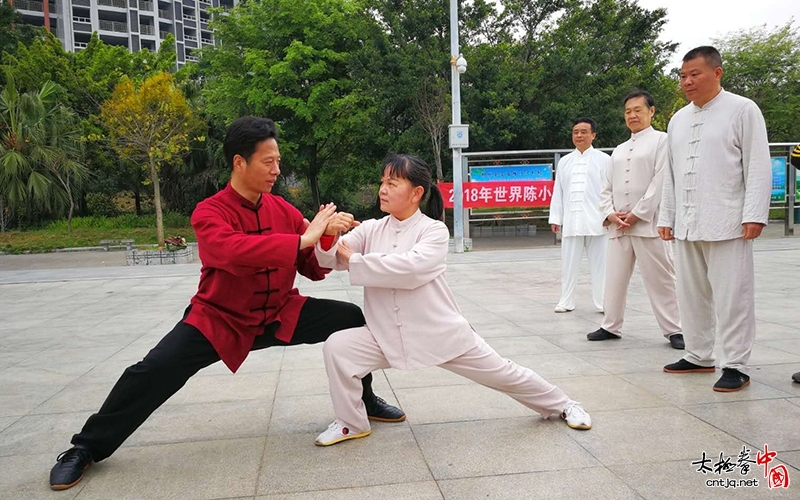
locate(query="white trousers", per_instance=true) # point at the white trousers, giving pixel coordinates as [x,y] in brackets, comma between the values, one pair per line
[658,274]
[716,295]
[571,255]
[351,354]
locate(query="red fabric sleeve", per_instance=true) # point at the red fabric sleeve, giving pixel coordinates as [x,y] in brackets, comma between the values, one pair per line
[326,242]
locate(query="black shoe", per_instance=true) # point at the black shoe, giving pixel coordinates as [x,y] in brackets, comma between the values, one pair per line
[683,366]
[796,377]
[731,380]
[676,341]
[380,410]
[603,334]
[69,467]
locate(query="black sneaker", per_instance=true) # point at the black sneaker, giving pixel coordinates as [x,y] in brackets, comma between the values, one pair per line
[69,467]
[732,380]
[796,377]
[603,334]
[676,341]
[380,410]
[683,366]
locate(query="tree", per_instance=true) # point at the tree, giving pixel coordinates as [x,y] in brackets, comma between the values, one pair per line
[764,65]
[13,31]
[525,91]
[150,123]
[22,184]
[291,61]
[433,111]
[64,153]
[39,150]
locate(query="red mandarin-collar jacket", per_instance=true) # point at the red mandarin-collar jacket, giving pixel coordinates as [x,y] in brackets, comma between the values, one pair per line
[251,257]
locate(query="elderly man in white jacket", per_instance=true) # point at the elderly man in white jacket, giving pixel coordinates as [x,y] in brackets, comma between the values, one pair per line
[630,203]
[715,203]
[575,211]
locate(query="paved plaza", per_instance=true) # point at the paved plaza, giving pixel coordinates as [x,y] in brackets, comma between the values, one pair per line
[67,334]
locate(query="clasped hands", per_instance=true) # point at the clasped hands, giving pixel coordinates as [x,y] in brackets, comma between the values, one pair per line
[327,222]
[623,220]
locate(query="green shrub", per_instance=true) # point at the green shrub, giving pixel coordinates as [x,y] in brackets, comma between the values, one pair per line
[124,221]
[101,205]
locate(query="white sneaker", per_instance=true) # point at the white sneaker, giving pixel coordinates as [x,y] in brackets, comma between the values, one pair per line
[336,433]
[576,416]
[562,309]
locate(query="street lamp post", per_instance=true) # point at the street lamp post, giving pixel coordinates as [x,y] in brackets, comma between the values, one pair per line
[459,134]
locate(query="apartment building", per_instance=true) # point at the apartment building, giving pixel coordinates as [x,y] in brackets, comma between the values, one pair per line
[134,24]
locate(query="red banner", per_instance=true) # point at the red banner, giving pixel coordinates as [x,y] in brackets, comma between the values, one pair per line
[501,194]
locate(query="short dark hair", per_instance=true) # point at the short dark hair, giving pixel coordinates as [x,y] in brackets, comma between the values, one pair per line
[244,135]
[641,93]
[584,119]
[710,54]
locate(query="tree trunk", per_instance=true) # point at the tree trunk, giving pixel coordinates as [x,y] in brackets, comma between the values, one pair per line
[157,203]
[137,199]
[437,156]
[71,203]
[69,216]
[313,182]
[2,215]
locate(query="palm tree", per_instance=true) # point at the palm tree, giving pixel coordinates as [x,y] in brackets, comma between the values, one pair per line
[39,150]
[21,147]
[63,153]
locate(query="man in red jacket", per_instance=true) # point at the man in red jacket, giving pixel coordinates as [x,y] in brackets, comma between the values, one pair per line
[252,245]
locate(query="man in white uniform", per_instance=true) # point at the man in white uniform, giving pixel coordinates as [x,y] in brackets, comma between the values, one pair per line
[575,211]
[629,202]
[715,203]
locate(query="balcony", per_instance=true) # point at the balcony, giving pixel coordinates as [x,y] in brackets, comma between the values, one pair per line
[118,4]
[82,24]
[113,26]
[191,58]
[80,45]
[163,34]
[190,38]
[164,14]
[34,6]
[147,6]
[207,41]
[147,29]
[188,17]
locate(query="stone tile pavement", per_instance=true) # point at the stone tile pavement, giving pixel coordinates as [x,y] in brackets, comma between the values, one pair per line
[67,334]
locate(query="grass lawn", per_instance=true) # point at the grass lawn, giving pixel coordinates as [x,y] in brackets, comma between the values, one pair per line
[47,240]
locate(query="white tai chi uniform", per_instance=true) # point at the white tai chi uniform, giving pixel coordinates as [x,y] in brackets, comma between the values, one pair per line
[719,178]
[575,207]
[634,184]
[413,320]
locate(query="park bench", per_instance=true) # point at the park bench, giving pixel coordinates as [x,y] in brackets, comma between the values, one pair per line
[107,243]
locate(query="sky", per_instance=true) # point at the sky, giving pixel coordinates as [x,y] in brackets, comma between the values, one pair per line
[692,23]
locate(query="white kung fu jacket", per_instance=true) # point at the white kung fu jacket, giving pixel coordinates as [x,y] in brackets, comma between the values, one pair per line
[634,182]
[410,310]
[719,174]
[575,205]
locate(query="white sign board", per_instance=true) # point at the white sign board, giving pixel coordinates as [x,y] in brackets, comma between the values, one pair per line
[459,136]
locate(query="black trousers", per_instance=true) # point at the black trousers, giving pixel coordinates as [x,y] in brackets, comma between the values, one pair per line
[184,351]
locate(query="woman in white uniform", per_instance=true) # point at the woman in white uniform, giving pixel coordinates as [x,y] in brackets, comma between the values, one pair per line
[413,321]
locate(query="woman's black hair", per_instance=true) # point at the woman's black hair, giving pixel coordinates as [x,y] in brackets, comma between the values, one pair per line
[418,173]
